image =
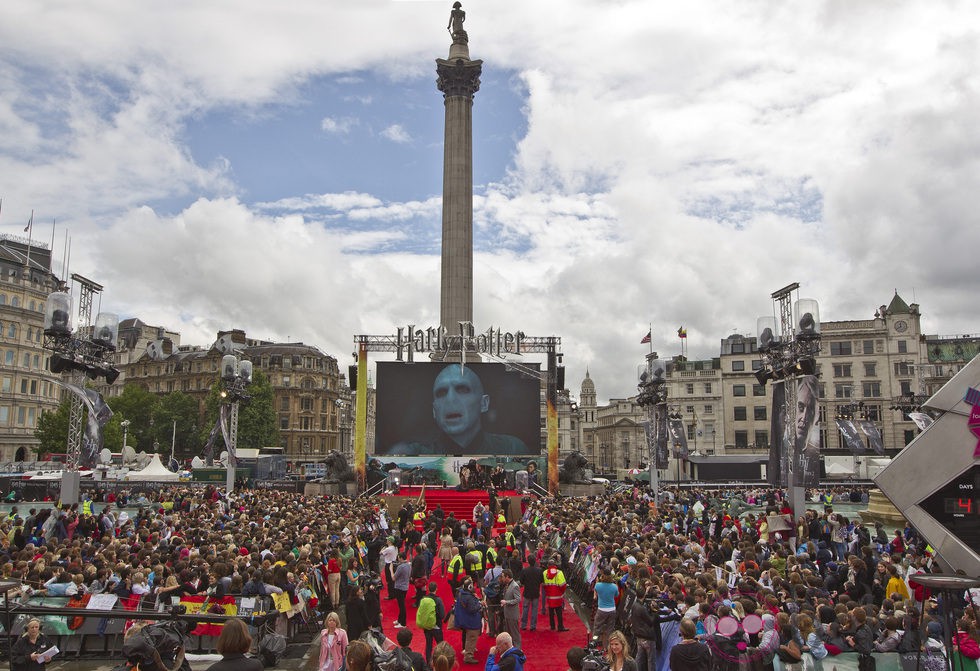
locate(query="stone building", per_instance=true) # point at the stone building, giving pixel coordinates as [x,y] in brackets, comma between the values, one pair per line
[307,385]
[27,388]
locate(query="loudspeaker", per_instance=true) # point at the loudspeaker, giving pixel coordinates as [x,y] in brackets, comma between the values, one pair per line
[352,377]
[560,377]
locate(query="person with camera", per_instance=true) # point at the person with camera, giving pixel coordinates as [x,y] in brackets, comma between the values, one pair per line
[468,614]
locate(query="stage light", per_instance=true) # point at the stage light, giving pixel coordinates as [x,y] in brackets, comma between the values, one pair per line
[806,314]
[765,329]
[111,375]
[57,314]
[763,375]
[807,366]
[59,364]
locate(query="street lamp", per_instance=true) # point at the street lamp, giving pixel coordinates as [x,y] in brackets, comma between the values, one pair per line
[125,427]
[236,375]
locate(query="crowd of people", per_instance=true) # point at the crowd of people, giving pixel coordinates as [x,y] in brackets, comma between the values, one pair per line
[700,579]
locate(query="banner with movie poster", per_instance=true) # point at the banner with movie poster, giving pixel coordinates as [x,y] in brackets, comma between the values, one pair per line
[852,437]
[874,436]
[678,438]
[806,446]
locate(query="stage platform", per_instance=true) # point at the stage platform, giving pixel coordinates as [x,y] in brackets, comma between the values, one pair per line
[460,503]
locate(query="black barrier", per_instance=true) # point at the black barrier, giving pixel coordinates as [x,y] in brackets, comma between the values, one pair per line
[292,486]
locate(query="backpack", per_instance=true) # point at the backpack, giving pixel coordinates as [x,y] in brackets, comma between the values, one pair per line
[392,660]
[425,617]
[492,589]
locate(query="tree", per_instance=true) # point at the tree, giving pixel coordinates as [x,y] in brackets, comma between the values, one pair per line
[52,429]
[256,417]
[183,409]
[137,405]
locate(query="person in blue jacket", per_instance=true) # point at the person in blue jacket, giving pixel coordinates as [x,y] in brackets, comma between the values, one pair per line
[468,613]
[509,659]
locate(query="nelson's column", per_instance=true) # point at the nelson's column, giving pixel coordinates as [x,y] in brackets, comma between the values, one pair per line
[459,80]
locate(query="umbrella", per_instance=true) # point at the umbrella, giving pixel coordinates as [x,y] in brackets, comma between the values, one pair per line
[487,461]
[645,475]
[514,466]
[635,471]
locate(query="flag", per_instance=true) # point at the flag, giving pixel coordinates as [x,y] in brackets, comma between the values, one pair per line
[682,332]
[29,223]
[647,337]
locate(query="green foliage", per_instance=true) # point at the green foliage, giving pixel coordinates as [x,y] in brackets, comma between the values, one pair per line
[52,429]
[137,405]
[180,408]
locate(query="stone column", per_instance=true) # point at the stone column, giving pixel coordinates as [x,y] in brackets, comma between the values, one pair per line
[459,80]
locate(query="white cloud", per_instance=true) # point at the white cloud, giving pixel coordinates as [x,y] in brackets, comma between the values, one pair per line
[679,163]
[340,126]
[396,133]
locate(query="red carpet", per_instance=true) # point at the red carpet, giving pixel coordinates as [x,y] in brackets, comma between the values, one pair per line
[545,649]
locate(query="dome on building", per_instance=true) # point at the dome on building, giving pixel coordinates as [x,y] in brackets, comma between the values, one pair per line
[587,384]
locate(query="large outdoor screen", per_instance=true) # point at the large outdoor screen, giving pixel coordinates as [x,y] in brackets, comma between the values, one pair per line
[447,409]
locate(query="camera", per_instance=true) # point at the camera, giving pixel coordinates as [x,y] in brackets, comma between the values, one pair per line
[594,660]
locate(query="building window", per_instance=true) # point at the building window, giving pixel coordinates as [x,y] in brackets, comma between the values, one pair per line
[869,346]
[689,387]
[690,431]
[874,412]
[707,387]
[738,366]
[756,364]
[284,422]
[842,370]
[690,409]
[870,370]
[872,389]
[759,412]
[909,437]
[285,381]
[758,390]
[5,387]
[740,413]
[4,415]
[8,358]
[738,347]
[761,439]
[741,439]
[842,390]
[738,390]
[840,348]
[906,388]
[284,404]
[709,409]
[306,403]
[903,347]
[12,330]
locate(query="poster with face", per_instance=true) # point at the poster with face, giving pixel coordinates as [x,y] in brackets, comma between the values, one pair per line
[852,438]
[678,438]
[806,449]
[660,433]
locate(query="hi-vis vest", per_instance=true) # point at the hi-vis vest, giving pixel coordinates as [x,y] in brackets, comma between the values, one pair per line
[491,557]
[510,540]
[554,587]
[476,561]
[87,507]
[456,565]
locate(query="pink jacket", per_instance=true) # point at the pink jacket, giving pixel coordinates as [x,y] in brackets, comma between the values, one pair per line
[336,651]
[966,645]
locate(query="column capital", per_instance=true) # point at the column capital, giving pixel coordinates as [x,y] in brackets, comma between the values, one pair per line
[458,78]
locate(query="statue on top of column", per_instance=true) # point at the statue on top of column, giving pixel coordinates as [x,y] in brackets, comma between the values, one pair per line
[455,26]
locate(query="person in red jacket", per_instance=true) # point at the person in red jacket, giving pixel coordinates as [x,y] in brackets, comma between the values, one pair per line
[964,644]
[554,594]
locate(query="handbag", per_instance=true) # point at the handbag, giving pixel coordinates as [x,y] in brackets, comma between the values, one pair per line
[791,653]
[451,621]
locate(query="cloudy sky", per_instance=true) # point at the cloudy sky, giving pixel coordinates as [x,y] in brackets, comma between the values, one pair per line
[277,167]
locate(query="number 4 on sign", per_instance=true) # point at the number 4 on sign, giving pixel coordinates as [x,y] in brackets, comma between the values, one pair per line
[965,505]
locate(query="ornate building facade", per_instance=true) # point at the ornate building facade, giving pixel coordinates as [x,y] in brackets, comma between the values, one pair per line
[27,388]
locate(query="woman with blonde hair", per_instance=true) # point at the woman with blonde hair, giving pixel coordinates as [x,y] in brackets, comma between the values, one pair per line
[618,653]
[25,654]
[333,644]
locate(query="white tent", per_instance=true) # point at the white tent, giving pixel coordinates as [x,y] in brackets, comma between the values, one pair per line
[155,470]
[839,469]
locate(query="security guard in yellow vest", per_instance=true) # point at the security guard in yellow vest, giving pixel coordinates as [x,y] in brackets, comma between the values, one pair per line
[491,556]
[456,572]
[473,561]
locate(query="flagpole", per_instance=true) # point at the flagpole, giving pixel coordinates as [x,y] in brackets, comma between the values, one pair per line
[651,337]
[54,223]
[30,233]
